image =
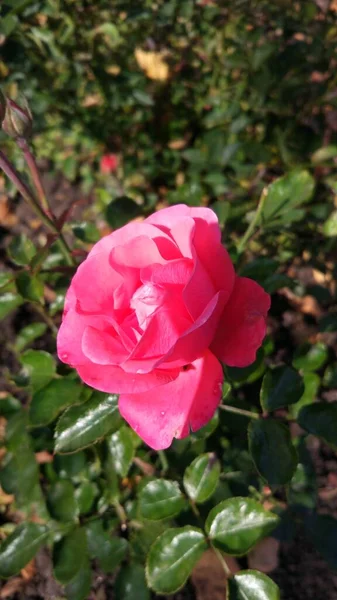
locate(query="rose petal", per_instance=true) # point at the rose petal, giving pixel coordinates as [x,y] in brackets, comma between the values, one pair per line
[94,284]
[102,347]
[114,380]
[242,326]
[173,409]
[69,338]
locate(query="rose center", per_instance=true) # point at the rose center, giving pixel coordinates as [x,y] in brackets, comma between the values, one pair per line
[146,300]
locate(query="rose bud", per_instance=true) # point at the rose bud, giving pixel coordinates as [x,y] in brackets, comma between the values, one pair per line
[17,122]
[151,314]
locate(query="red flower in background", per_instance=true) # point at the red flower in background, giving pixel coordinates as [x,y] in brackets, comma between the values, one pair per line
[108,163]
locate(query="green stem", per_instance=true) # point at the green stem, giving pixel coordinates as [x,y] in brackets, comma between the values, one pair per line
[242,244]
[32,166]
[163,460]
[28,195]
[39,308]
[225,566]
[239,411]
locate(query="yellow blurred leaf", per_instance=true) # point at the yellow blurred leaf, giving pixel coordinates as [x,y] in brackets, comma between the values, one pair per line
[153,64]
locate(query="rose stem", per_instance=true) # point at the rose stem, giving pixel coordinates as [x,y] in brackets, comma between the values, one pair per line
[28,195]
[242,244]
[239,411]
[163,460]
[225,567]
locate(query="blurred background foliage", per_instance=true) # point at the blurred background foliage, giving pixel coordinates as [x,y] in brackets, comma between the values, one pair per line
[207,103]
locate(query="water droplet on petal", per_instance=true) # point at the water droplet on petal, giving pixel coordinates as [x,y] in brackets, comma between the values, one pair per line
[162,412]
[64,356]
[217,388]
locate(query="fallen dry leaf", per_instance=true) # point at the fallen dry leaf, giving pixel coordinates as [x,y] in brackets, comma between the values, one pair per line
[11,587]
[5,498]
[29,570]
[264,556]
[43,457]
[153,64]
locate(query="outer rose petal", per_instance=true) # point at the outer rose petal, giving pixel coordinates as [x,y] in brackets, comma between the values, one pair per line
[172,410]
[112,379]
[242,325]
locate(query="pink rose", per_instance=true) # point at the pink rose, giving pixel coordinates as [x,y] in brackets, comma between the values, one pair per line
[150,314]
[108,163]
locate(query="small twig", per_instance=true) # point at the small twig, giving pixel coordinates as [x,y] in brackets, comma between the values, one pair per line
[239,411]
[163,460]
[224,565]
[39,308]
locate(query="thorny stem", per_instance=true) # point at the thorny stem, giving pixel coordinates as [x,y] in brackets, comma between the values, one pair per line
[28,195]
[253,223]
[31,163]
[239,411]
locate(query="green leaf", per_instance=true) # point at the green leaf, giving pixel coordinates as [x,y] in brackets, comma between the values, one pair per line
[131,583]
[109,551]
[86,232]
[323,154]
[28,334]
[85,496]
[237,524]
[285,195]
[83,425]
[311,357]
[39,367]
[9,302]
[20,547]
[252,585]
[21,250]
[30,287]
[320,419]
[121,211]
[312,383]
[201,477]
[280,387]
[160,499]
[51,400]
[61,501]
[272,450]
[172,558]
[122,450]
[69,555]
[79,587]
[330,225]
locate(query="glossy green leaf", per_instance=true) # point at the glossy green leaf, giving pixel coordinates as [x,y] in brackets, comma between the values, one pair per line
[28,334]
[107,550]
[47,403]
[325,153]
[237,524]
[272,450]
[252,585]
[69,555]
[285,196]
[201,477]
[280,387]
[322,530]
[79,587]
[61,501]
[330,225]
[122,450]
[311,358]
[9,302]
[160,499]
[39,367]
[312,382]
[9,405]
[330,376]
[131,583]
[172,558]
[85,496]
[30,287]
[21,250]
[121,210]
[320,419]
[83,425]
[20,547]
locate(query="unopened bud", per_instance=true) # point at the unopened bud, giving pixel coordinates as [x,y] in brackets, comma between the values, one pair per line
[17,122]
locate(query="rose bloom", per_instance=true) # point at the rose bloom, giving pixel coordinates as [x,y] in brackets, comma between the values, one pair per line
[150,314]
[108,163]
